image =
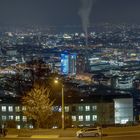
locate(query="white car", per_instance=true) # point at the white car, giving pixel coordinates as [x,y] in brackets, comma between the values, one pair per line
[89,132]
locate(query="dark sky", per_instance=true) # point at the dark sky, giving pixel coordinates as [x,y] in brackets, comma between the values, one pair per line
[65,12]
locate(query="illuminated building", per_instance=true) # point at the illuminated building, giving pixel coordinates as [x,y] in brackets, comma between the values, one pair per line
[123,110]
[72,63]
[64,64]
[68,63]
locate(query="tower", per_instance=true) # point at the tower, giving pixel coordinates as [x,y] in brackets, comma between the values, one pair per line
[68,63]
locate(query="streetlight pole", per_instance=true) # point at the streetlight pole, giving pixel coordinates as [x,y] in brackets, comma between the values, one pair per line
[63,109]
[62,104]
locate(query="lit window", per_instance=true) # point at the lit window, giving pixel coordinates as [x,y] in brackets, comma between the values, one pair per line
[17,108]
[24,119]
[23,108]
[10,108]
[73,118]
[94,107]
[59,109]
[3,108]
[66,108]
[94,117]
[56,109]
[87,108]
[17,118]
[80,118]
[87,117]
[11,117]
[3,118]
[80,108]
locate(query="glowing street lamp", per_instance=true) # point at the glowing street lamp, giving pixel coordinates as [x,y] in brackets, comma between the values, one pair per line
[56,81]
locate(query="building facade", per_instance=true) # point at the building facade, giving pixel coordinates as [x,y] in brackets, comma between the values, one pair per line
[68,63]
[80,113]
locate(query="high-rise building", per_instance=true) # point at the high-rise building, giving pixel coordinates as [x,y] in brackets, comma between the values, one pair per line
[68,63]
[72,63]
[64,63]
[81,63]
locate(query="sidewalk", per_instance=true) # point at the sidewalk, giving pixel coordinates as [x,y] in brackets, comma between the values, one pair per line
[69,132]
[34,136]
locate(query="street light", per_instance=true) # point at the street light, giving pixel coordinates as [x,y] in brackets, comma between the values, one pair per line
[63,111]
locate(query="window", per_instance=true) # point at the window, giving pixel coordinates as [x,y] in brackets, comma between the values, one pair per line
[4,118]
[73,108]
[17,108]
[87,108]
[73,118]
[94,117]
[94,107]
[24,118]
[3,108]
[87,117]
[11,117]
[17,118]
[66,108]
[56,108]
[10,108]
[80,118]
[60,109]
[80,108]
[23,108]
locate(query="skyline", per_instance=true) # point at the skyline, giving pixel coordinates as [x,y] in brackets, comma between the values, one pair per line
[61,13]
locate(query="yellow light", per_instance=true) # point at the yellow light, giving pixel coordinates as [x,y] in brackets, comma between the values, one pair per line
[55,81]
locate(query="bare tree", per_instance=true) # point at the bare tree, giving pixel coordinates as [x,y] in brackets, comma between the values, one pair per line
[38,104]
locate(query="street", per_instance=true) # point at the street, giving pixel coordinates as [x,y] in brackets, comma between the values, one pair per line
[126,136]
[110,133]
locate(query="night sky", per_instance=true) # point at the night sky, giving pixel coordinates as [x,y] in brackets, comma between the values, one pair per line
[65,12]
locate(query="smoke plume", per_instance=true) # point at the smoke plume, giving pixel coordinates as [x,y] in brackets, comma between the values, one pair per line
[84,12]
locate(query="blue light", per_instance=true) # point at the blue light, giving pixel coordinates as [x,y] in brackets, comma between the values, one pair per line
[64,63]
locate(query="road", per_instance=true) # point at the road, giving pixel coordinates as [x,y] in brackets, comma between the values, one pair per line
[126,133]
[135,136]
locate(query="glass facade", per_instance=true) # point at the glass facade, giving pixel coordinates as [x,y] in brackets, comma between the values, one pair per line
[123,110]
[64,64]
[68,63]
[72,63]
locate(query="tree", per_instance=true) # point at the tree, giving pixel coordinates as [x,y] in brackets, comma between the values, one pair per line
[38,104]
[56,120]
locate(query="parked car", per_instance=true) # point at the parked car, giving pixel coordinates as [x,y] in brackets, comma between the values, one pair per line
[89,132]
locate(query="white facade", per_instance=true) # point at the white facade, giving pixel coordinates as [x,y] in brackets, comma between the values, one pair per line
[123,110]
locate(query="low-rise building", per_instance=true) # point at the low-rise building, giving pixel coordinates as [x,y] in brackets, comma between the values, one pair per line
[83,112]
